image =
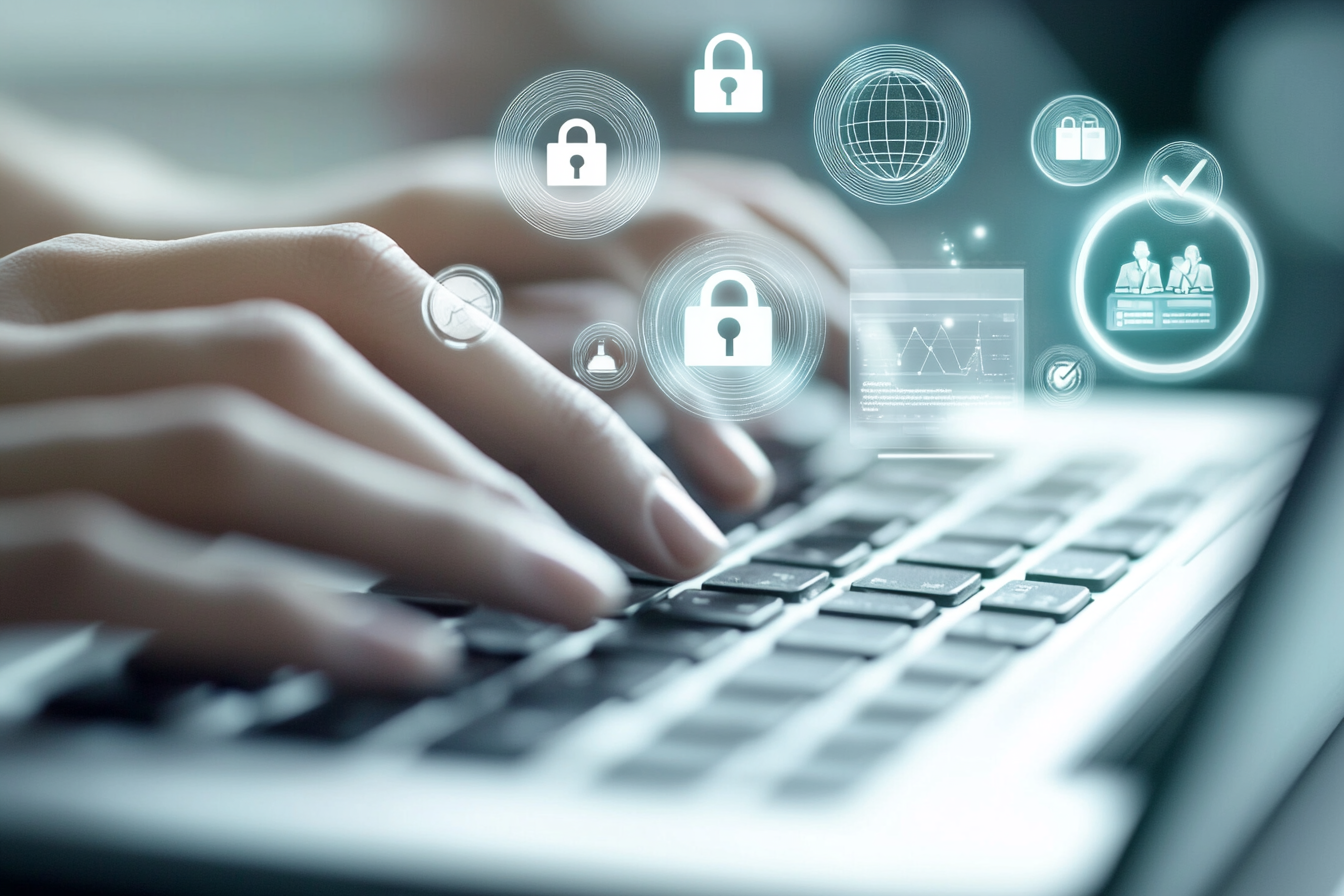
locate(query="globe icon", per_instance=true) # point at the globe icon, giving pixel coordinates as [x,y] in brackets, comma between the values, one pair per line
[893,123]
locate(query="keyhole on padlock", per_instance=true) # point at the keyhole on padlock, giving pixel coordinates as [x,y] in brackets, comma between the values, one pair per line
[728,329]
[576,161]
[728,85]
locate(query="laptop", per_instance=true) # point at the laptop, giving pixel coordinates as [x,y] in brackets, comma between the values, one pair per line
[908,676]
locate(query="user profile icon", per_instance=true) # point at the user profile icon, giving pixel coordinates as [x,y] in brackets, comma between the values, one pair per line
[462,306]
[892,124]
[604,357]
[1075,140]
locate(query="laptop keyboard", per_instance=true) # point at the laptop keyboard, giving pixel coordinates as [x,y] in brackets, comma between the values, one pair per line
[525,682]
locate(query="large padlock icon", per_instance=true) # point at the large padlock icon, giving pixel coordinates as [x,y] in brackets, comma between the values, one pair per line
[576,164]
[728,89]
[729,335]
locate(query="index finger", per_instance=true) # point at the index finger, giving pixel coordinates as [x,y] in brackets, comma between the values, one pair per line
[573,449]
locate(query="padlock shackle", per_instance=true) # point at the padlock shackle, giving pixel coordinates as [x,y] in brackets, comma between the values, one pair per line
[1096,122]
[707,291]
[1068,118]
[735,38]
[576,123]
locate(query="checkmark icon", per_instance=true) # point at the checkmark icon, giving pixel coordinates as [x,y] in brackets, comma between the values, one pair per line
[1189,178]
[1062,376]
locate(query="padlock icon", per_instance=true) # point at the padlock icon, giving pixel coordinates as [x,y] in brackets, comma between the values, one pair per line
[576,164]
[729,335]
[728,89]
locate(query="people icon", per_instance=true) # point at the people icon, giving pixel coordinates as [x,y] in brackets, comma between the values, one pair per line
[1188,274]
[1139,275]
[602,362]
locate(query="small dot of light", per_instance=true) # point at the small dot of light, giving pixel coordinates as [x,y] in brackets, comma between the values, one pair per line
[954,262]
[946,247]
[949,323]
[979,231]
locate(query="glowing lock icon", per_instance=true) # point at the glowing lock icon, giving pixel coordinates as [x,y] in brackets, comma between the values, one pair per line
[728,89]
[729,335]
[576,164]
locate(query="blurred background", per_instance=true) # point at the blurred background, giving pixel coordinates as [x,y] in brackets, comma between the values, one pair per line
[278,88]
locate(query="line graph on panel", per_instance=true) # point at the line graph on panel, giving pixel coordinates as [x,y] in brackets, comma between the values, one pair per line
[967,347]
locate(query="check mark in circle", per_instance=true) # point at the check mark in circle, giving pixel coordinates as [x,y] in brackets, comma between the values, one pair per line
[1064,376]
[1184,185]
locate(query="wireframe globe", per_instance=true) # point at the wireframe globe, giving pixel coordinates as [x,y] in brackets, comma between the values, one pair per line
[893,123]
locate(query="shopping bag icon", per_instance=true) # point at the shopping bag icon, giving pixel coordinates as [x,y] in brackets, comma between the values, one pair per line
[1069,140]
[1093,139]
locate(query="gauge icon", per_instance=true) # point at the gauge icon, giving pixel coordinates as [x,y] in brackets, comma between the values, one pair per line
[463,305]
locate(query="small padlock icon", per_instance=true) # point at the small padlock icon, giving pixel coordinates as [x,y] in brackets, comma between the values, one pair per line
[729,335]
[728,89]
[576,164]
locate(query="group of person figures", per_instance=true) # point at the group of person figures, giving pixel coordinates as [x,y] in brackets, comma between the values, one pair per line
[1188,273]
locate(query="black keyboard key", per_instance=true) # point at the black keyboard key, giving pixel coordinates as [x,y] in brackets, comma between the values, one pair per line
[785,582]
[343,717]
[1055,496]
[718,608]
[989,558]
[698,642]
[477,667]
[641,593]
[878,532]
[1003,628]
[836,556]
[125,699]
[841,634]
[734,718]
[892,607]
[1025,527]
[431,600]
[1094,570]
[948,587]
[1134,539]
[793,673]
[589,681]
[1053,601]
[961,661]
[507,634]
[1163,508]
[507,733]
[914,699]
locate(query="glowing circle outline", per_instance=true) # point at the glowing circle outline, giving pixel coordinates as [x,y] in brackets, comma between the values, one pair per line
[433,296]
[1149,368]
[613,332]
[601,97]
[857,69]
[1051,107]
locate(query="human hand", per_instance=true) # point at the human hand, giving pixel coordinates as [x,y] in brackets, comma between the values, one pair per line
[120,432]
[442,204]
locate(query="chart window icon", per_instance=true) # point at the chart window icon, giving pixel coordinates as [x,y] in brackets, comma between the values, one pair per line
[936,356]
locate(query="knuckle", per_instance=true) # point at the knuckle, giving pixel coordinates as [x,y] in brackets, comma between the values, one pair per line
[353,247]
[215,440]
[285,340]
[36,274]
[68,543]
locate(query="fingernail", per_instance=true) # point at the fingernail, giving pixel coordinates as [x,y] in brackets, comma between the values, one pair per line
[687,533]
[753,460]
[566,571]
[403,649]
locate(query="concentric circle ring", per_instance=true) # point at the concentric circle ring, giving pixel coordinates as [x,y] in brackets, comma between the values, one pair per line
[798,321]
[592,375]
[1175,369]
[517,139]
[828,124]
